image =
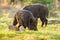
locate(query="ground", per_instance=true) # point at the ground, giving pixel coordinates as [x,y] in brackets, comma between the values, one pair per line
[51,32]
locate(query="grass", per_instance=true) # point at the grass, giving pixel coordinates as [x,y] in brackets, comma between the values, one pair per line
[51,32]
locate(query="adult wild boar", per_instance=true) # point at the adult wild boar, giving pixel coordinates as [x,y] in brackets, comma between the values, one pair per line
[39,11]
[25,18]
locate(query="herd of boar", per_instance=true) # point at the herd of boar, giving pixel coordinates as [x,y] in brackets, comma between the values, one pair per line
[28,17]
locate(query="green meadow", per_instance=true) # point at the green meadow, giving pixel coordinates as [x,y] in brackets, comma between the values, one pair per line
[51,32]
[9,7]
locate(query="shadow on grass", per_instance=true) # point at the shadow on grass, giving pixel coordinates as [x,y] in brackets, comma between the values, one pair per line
[11,35]
[39,35]
[51,35]
[2,35]
[54,22]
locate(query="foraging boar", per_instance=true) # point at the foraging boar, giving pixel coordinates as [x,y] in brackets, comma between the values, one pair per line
[25,18]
